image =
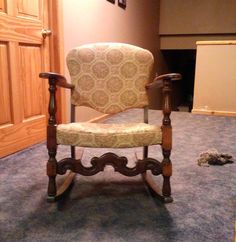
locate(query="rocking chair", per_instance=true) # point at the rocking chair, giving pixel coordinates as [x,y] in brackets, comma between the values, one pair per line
[110,78]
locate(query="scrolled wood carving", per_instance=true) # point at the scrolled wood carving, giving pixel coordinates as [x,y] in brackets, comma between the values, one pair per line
[119,164]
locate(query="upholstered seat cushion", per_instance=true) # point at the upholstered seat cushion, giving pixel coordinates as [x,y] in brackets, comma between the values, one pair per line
[108,135]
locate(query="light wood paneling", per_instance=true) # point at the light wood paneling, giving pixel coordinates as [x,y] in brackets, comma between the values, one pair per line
[2,6]
[5,102]
[23,93]
[28,8]
[16,137]
[23,54]
[30,66]
[11,29]
[16,90]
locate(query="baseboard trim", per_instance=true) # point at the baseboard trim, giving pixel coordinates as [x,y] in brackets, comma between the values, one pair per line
[213,112]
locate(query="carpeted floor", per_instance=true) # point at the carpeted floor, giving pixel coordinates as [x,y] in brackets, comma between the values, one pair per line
[114,208]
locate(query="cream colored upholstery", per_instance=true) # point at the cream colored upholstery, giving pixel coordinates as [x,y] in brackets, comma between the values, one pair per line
[110,77]
[108,135]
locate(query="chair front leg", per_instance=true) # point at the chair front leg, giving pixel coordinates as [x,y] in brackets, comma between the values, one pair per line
[52,162]
[145,152]
[166,140]
[166,172]
[51,172]
[51,141]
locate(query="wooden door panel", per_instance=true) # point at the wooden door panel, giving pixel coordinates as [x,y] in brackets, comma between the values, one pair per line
[25,30]
[18,136]
[33,94]
[5,102]
[22,57]
[29,8]
[2,6]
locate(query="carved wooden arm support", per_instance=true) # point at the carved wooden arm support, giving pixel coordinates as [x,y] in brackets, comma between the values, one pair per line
[158,80]
[165,82]
[56,79]
[169,76]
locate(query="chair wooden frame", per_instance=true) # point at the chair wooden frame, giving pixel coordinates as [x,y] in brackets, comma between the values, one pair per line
[156,167]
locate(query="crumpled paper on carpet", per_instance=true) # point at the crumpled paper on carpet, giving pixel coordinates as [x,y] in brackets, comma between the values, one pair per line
[213,157]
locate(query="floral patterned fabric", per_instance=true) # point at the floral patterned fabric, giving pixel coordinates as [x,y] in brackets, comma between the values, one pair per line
[108,135]
[110,77]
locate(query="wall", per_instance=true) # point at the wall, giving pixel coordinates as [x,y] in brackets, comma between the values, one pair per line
[183,22]
[215,78]
[87,21]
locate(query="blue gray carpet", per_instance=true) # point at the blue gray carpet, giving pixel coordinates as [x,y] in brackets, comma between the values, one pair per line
[114,208]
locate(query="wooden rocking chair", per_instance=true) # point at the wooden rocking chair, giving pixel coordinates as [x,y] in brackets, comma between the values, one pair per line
[111,78]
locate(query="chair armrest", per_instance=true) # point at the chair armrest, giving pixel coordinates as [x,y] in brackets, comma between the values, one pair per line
[169,76]
[58,79]
[54,79]
[158,80]
[166,85]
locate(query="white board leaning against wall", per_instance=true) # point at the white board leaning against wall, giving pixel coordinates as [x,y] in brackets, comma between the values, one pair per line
[215,78]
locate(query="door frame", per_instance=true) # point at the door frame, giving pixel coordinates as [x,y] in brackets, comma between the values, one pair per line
[56,46]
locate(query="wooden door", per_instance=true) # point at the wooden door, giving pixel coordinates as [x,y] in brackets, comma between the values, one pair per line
[23,54]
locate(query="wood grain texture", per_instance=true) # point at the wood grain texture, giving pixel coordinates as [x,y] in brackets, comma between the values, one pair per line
[16,90]
[20,29]
[57,63]
[167,137]
[5,101]
[29,8]
[22,94]
[19,136]
[2,6]
[33,87]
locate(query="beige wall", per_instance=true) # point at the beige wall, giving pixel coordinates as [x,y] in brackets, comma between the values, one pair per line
[87,21]
[183,22]
[215,78]
[197,16]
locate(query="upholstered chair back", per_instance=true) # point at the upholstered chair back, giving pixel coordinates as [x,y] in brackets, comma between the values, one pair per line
[110,77]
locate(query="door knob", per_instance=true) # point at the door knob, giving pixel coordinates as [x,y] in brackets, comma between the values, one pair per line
[46,32]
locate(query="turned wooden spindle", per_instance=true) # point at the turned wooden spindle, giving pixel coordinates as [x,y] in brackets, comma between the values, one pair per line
[167,137]
[51,139]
